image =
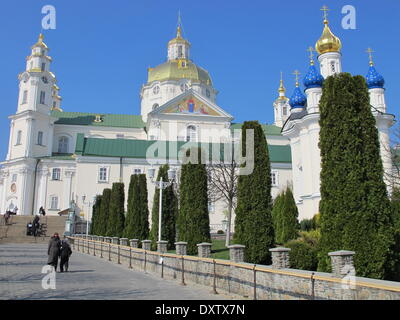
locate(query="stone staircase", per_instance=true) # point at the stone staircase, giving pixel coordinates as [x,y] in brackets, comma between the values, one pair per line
[15,231]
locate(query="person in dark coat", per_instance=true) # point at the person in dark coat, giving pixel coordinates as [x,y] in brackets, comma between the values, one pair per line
[35,226]
[42,212]
[64,255]
[54,250]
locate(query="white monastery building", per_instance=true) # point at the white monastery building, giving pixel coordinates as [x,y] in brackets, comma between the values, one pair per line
[55,156]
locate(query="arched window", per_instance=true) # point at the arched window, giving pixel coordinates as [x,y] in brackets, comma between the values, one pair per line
[63,144]
[191,133]
[155,106]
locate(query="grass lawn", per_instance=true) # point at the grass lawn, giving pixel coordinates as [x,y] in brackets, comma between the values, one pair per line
[218,250]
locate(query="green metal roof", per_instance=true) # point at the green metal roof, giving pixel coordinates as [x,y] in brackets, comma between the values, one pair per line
[269,129]
[138,148]
[108,120]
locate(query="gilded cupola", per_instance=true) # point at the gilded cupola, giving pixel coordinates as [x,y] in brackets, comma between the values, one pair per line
[328,42]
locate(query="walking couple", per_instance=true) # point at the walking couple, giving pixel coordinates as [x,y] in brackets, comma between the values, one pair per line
[56,249]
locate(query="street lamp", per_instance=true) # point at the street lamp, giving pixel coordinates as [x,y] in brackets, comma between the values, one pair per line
[161,185]
[90,205]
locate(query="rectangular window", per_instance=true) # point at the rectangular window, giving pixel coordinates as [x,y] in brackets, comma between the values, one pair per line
[103,174]
[56,175]
[137,171]
[274,178]
[19,137]
[14,178]
[25,97]
[40,138]
[54,203]
[180,51]
[43,66]
[42,97]
[284,111]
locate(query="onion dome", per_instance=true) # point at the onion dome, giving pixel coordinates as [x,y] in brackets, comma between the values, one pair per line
[298,99]
[313,78]
[374,79]
[328,42]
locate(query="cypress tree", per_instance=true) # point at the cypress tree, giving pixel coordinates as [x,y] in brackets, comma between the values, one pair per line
[276,215]
[137,226]
[129,223]
[193,218]
[253,222]
[95,215]
[169,211]
[354,207]
[116,217]
[289,223]
[101,225]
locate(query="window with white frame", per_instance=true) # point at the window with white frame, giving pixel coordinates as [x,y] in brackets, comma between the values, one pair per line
[25,97]
[211,206]
[14,178]
[56,174]
[191,133]
[42,97]
[54,203]
[40,138]
[274,178]
[137,171]
[63,144]
[103,174]
[19,137]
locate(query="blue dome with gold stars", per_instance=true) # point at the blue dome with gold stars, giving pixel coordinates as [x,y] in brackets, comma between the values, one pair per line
[374,79]
[298,99]
[313,78]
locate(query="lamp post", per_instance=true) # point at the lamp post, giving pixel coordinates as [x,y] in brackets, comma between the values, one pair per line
[90,206]
[161,185]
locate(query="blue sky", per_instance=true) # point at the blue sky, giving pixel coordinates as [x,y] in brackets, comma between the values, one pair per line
[101,49]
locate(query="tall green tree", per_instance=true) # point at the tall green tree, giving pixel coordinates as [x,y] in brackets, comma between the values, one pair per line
[169,211]
[253,222]
[137,224]
[95,215]
[193,219]
[276,214]
[116,217]
[354,207]
[102,223]
[284,215]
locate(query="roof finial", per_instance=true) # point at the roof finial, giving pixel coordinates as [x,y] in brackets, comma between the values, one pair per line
[178,32]
[369,51]
[325,10]
[311,56]
[281,89]
[296,73]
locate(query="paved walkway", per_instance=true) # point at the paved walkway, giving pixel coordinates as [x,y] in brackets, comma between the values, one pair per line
[89,278]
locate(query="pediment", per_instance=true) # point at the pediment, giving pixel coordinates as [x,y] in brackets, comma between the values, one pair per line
[192,104]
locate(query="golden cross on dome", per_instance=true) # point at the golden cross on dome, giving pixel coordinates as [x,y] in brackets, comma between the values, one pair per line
[325,10]
[369,51]
[311,56]
[296,73]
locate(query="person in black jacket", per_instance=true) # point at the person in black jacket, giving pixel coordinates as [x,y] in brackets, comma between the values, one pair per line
[53,250]
[35,226]
[64,255]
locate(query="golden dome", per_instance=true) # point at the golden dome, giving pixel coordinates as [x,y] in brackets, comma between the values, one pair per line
[328,41]
[176,70]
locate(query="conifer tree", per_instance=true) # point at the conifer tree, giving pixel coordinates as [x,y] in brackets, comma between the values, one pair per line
[116,219]
[354,207]
[193,218]
[276,215]
[95,215]
[289,214]
[169,211]
[101,225]
[253,222]
[137,226]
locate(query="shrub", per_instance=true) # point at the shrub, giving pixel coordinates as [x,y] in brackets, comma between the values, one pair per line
[302,255]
